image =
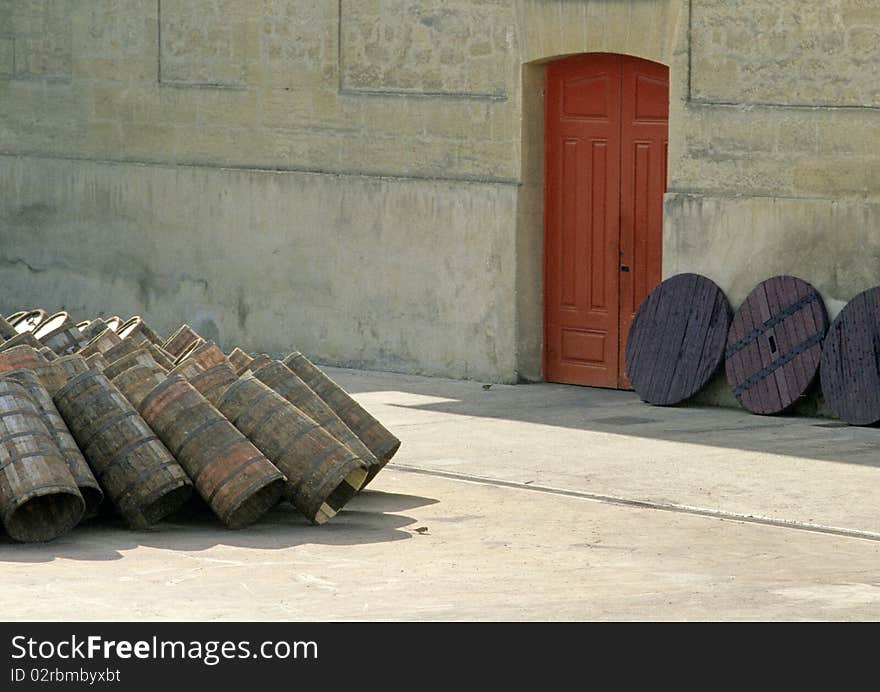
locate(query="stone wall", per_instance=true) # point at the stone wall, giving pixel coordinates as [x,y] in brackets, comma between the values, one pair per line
[417,123]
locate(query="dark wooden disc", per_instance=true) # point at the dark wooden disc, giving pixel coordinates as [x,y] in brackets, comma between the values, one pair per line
[677,339]
[850,369]
[775,343]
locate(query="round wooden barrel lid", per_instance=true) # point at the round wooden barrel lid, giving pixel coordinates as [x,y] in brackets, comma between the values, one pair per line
[775,343]
[677,339]
[850,368]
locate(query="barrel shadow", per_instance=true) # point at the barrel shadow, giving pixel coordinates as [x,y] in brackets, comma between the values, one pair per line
[194,528]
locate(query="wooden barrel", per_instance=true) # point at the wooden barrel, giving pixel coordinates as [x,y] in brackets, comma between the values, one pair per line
[161,356]
[76,463]
[138,380]
[136,326]
[238,482]
[59,332]
[257,362]
[178,342]
[322,473]
[214,381]
[19,357]
[205,354]
[51,376]
[96,362]
[140,356]
[289,385]
[137,472]
[39,499]
[191,347]
[101,343]
[7,331]
[48,353]
[128,345]
[91,328]
[239,360]
[28,321]
[71,365]
[23,339]
[188,369]
[372,433]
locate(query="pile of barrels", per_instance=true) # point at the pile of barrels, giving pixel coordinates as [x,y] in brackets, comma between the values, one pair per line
[105,416]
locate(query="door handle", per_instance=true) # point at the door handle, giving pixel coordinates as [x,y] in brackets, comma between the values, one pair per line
[624,267]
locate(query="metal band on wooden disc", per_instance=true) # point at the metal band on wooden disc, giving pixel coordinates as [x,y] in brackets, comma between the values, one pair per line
[850,369]
[677,339]
[775,343]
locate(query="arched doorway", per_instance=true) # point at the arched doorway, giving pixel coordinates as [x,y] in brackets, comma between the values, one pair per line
[606,140]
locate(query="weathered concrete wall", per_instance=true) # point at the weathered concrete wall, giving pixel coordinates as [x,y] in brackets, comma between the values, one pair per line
[422,120]
[405,275]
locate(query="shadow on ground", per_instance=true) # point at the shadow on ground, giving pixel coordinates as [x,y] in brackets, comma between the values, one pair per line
[368,518]
[621,412]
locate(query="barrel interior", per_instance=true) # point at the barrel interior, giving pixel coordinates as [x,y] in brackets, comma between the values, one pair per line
[256,505]
[341,494]
[93,497]
[50,324]
[46,516]
[167,501]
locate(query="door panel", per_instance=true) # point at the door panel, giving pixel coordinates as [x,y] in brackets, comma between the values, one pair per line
[605,149]
[581,220]
[644,137]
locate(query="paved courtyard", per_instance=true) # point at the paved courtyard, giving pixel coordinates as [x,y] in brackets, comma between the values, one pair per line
[527,502]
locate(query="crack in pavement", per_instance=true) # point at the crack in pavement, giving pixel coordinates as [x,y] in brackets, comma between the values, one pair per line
[649,504]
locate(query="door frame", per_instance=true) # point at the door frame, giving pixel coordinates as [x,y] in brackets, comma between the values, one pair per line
[621,380]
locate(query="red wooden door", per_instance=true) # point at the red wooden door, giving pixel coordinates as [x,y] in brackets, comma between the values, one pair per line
[605,153]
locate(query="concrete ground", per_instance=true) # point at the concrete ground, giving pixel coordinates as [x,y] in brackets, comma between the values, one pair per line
[526,502]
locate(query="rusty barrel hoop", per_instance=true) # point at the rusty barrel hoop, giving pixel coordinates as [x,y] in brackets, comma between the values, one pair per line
[39,499]
[85,480]
[138,474]
[323,474]
[229,472]
[372,433]
[289,385]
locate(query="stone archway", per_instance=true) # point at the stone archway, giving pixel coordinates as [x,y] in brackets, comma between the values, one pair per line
[548,31]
